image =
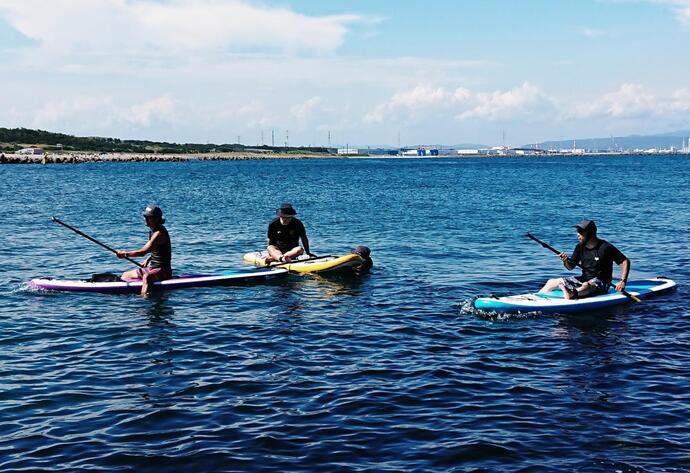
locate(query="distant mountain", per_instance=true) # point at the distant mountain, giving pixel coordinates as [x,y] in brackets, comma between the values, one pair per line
[660,141]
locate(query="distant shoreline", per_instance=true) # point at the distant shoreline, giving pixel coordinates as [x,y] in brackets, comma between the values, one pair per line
[83,157]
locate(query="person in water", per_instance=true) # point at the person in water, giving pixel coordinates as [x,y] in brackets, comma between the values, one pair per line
[284,234]
[596,257]
[158,265]
[367,263]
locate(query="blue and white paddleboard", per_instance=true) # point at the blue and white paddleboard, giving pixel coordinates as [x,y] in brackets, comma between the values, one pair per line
[555,302]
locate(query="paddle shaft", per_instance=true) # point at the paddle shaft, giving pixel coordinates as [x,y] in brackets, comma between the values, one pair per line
[549,247]
[301,260]
[79,232]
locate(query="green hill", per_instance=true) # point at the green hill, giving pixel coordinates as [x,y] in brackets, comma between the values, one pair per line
[12,139]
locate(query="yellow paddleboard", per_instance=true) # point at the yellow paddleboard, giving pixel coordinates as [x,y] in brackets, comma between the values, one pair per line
[308,265]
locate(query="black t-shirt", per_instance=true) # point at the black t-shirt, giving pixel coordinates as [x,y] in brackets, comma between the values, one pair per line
[286,237]
[597,262]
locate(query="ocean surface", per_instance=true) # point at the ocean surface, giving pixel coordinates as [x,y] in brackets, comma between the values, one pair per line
[390,372]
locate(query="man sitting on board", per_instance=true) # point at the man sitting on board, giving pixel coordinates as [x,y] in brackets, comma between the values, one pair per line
[284,234]
[158,266]
[596,258]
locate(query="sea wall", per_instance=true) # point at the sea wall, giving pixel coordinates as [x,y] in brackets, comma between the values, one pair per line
[77,158]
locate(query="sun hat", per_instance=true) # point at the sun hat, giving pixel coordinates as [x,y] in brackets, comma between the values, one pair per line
[286,210]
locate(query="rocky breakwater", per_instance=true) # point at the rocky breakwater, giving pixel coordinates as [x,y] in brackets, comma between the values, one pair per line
[78,158]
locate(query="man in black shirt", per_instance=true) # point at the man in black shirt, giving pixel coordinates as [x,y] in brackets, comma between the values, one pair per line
[284,234]
[596,257]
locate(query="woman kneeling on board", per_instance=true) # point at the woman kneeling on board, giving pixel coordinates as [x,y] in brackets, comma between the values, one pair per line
[158,266]
[596,258]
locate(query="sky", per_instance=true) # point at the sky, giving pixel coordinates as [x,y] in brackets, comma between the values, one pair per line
[365,73]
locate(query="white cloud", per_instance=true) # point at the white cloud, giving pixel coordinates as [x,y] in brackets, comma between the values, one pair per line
[462,102]
[104,110]
[302,111]
[633,100]
[159,108]
[55,111]
[680,7]
[420,97]
[592,33]
[503,104]
[97,29]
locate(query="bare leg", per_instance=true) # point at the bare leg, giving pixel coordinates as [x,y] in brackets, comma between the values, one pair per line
[274,254]
[551,284]
[585,290]
[145,289]
[129,275]
[293,253]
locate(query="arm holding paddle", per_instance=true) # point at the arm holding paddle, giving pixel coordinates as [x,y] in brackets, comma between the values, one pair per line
[567,262]
[152,243]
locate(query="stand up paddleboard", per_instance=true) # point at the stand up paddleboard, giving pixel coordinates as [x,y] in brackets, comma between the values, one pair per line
[555,302]
[185,281]
[304,264]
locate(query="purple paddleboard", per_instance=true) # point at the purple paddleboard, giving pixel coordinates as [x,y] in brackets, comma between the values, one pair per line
[184,281]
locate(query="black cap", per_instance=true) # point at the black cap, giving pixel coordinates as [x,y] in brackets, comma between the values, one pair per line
[286,210]
[152,210]
[587,226]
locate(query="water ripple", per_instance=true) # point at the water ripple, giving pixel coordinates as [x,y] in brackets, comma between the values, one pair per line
[392,372]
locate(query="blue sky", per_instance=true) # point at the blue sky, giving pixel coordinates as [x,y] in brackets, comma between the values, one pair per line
[431,72]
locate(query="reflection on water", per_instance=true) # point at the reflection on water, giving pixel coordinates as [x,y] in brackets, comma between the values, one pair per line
[159,310]
[594,358]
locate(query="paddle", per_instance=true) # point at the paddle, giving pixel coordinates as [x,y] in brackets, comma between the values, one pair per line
[549,247]
[301,260]
[79,232]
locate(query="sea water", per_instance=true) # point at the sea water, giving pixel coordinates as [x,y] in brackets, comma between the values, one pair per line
[389,372]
